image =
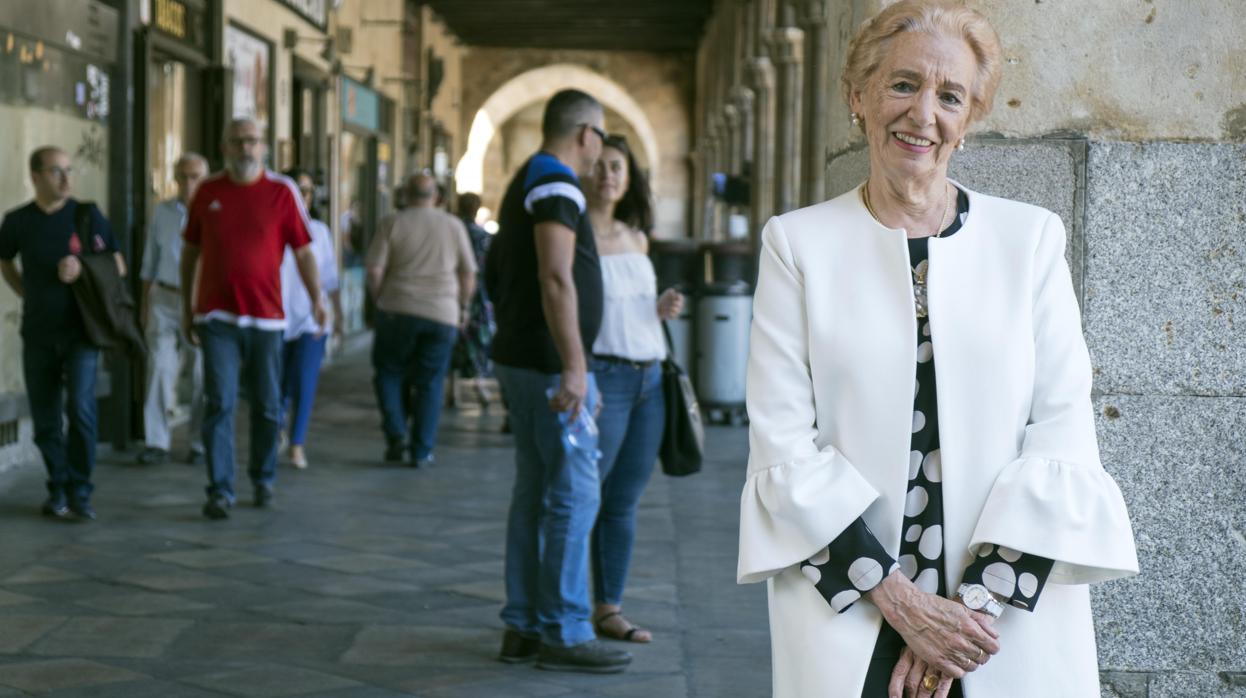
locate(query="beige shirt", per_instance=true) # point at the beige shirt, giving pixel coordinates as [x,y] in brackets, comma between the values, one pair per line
[422,252]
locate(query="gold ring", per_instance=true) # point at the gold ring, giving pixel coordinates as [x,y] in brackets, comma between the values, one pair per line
[984,656]
[931,682]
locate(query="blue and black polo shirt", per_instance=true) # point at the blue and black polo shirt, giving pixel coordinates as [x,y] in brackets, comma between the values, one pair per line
[545,189]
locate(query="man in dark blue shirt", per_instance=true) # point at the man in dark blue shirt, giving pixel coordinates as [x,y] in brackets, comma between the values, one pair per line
[55,353]
[545,278]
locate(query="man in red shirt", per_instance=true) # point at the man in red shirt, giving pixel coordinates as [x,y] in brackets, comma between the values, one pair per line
[239,224]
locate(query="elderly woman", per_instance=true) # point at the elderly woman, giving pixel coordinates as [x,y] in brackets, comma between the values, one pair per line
[906,531]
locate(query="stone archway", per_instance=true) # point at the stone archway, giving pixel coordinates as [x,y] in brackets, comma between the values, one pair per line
[538,85]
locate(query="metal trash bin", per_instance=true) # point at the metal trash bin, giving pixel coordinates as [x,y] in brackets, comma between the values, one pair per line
[678,264]
[724,314]
[682,335]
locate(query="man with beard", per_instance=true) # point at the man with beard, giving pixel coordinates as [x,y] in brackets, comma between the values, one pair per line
[240,222]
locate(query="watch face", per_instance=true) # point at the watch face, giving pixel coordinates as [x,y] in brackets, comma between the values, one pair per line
[975,596]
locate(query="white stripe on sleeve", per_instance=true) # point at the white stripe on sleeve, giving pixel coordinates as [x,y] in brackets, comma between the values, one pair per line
[544,191]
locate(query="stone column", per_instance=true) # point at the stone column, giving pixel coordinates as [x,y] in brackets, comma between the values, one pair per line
[700,190]
[734,159]
[786,48]
[818,89]
[761,81]
[742,97]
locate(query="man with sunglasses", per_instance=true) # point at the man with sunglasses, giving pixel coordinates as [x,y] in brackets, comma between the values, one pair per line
[56,357]
[545,278]
[240,223]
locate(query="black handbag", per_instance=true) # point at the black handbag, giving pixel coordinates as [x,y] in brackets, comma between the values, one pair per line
[683,436]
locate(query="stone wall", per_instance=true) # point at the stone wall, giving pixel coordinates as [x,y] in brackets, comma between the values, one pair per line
[1156,246]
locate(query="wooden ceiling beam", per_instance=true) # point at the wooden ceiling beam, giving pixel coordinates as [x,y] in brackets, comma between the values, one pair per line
[581,24]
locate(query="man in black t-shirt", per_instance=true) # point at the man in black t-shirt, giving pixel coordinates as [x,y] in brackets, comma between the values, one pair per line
[55,354]
[545,278]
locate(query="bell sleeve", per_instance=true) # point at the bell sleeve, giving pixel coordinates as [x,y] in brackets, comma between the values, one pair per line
[797,497]
[1055,500]
[852,565]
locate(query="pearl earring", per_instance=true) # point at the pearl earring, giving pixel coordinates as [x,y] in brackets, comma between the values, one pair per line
[961,145]
[856,120]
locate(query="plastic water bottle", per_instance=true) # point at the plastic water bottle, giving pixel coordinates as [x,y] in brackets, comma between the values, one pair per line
[579,433]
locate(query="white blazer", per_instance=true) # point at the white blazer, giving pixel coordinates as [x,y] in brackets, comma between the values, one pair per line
[830,399]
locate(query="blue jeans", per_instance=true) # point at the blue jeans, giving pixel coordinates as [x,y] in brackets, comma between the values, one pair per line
[411,347]
[631,423]
[230,352]
[51,369]
[301,361]
[553,506]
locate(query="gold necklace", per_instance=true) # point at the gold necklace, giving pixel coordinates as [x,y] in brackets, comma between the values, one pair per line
[943,221]
[920,295]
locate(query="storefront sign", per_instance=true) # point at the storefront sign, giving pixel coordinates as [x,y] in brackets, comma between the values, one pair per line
[249,57]
[314,11]
[85,26]
[360,105]
[181,20]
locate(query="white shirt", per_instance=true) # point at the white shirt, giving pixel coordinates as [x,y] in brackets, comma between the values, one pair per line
[298,305]
[162,253]
[630,328]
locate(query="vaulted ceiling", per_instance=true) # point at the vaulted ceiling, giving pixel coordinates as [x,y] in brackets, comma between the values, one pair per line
[641,25]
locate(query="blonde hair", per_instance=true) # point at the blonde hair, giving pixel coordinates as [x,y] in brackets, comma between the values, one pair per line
[936,18]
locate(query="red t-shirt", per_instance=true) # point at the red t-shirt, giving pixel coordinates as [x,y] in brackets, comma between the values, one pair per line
[242,231]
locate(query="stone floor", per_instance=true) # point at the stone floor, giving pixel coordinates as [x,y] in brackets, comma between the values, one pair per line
[366,580]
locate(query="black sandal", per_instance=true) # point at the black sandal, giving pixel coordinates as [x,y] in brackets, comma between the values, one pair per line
[625,637]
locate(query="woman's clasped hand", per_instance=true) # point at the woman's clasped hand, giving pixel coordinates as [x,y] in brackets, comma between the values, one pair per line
[942,638]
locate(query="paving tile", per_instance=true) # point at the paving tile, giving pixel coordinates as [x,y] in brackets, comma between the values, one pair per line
[170,581]
[356,586]
[525,687]
[110,637]
[270,680]
[487,589]
[361,563]
[8,598]
[19,631]
[143,604]
[332,610]
[665,686]
[149,688]
[54,674]
[40,574]
[218,642]
[399,645]
[209,558]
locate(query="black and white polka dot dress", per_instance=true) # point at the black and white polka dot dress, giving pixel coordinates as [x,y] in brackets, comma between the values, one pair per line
[855,562]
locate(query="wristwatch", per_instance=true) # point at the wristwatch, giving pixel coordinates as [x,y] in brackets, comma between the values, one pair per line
[978,598]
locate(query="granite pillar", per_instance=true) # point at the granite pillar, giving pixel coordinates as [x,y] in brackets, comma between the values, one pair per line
[761,78]
[742,97]
[814,20]
[735,156]
[786,49]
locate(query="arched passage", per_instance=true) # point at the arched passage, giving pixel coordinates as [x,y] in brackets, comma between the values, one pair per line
[538,85]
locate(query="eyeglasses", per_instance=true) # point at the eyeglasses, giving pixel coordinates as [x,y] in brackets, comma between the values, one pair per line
[59,171]
[246,140]
[600,133]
